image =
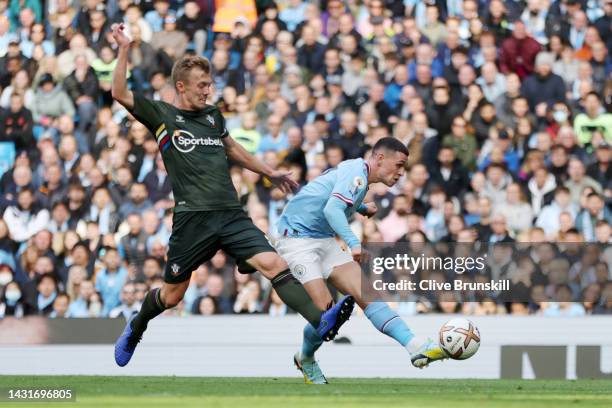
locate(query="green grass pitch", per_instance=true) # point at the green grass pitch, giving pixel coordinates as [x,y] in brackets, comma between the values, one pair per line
[183,392]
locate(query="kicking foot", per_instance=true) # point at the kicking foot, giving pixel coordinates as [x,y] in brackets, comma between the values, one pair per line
[429,352]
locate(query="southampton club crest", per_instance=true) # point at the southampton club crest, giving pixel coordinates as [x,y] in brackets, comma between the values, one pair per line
[210,120]
[175,269]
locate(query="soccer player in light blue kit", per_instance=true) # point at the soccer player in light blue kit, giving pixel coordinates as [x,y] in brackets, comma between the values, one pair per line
[308,227]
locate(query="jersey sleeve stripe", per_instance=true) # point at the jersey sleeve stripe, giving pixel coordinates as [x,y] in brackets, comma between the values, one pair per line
[159,130]
[161,136]
[164,141]
[341,197]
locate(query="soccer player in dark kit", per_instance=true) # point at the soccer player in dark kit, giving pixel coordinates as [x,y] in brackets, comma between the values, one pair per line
[195,147]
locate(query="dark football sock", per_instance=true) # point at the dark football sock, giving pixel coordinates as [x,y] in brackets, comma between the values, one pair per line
[294,295]
[152,306]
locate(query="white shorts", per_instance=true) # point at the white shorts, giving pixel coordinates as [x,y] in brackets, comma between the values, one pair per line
[312,258]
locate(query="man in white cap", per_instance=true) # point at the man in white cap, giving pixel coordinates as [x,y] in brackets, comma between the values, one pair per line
[543,88]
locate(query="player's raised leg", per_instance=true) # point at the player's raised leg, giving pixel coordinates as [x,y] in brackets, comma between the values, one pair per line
[193,242]
[347,279]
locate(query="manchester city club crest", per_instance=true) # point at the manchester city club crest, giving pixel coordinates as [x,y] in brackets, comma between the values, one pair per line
[358,184]
[211,120]
[299,270]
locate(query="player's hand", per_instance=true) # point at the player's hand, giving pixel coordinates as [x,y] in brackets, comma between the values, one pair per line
[359,254]
[120,35]
[371,209]
[282,179]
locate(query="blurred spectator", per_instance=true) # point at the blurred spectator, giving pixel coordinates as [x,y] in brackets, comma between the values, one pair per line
[79,306]
[587,218]
[276,307]
[82,87]
[516,210]
[50,102]
[169,40]
[348,136]
[25,218]
[128,305]
[450,174]
[578,180]
[19,85]
[155,17]
[205,306]
[77,46]
[311,53]
[60,306]
[462,143]
[518,52]
[98,25]
[137,200]
[197,288]
[593,120]
[275,140]
[11,301]
[110,280]
[605,305]
[103,211]
[215,291]
[247,135]
[16,127]
[600,169]
[41,301]
[195,24]
[548,218]
[247,299]
[132,247]
[143,59]
[543,87]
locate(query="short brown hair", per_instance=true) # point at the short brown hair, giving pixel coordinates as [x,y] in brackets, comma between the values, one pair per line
[182,67]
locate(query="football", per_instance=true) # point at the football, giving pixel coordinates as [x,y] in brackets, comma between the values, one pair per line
[459,338]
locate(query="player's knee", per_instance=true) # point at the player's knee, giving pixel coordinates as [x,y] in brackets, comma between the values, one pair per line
[171,299]
[272,265]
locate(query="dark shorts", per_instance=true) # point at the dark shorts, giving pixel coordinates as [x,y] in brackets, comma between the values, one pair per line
[198,235]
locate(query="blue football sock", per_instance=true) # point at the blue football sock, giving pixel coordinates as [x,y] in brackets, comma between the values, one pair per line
[388,322]
[311,343]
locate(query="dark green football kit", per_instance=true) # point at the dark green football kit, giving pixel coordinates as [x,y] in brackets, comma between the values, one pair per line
[207,214]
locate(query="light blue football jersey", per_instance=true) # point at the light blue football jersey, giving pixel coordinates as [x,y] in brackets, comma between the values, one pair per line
[304,217]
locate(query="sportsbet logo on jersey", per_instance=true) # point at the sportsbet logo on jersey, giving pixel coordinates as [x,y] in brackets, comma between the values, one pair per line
[185,141]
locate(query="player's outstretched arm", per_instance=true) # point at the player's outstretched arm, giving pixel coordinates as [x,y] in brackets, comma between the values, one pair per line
[240,156]
[334,214]
[119,88]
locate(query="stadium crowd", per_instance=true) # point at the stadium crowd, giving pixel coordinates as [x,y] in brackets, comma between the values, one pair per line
[504,105]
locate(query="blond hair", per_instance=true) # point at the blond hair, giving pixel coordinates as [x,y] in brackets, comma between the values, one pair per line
[182,67]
